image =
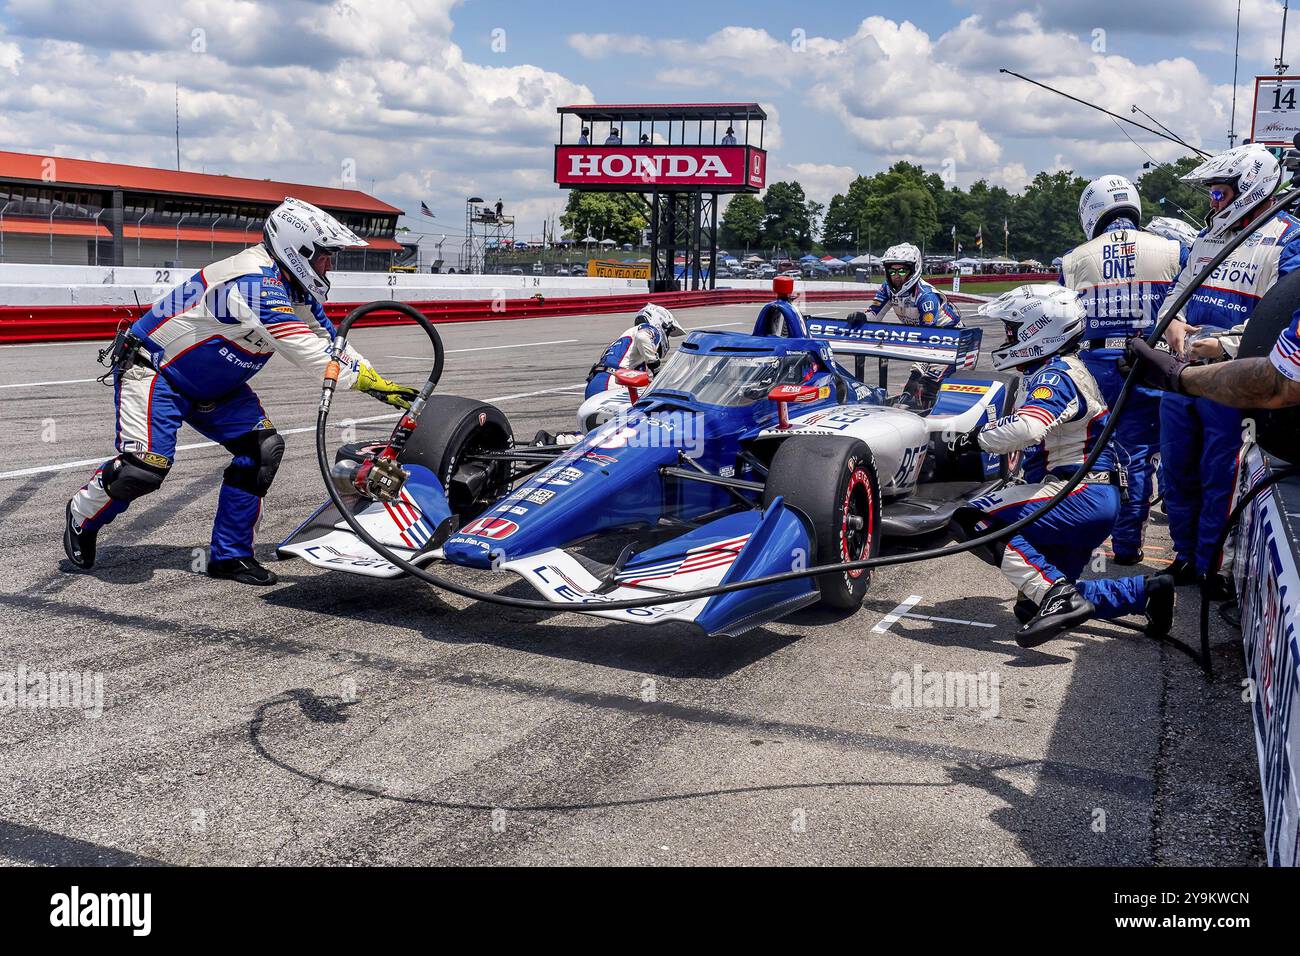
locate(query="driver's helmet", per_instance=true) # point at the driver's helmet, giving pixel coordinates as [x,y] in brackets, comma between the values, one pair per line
[662,320]
[1040,320]
[1253,173]
[295,233]
[903,256]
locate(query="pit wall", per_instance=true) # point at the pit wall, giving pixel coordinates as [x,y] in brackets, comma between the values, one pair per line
[44,303]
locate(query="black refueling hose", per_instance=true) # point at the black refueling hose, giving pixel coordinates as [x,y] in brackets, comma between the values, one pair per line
[682,597]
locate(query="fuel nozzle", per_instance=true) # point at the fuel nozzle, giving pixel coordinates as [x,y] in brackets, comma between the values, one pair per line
[379,479]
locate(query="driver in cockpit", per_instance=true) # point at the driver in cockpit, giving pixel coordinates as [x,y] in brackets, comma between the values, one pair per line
[915,302]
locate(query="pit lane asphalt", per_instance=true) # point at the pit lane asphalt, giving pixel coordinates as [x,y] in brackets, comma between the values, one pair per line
[333,719]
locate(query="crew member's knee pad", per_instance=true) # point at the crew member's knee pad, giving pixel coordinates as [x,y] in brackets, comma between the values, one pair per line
[257,459]
[968,523]
[129,476]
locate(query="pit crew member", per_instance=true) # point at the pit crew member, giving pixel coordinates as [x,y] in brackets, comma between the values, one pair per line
[189,359]
[641,348]
[1123,275]
[915,302]
[1060,417]
[1200,437]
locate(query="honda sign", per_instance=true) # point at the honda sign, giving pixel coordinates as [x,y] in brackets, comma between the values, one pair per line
[706,168]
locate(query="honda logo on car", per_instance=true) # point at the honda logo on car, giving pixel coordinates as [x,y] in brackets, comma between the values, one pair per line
[488,527]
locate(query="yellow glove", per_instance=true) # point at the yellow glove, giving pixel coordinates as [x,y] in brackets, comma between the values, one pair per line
[376,386]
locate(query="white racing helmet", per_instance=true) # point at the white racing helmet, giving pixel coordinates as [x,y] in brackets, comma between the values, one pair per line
[661,319]
[1170,227]
[1251,170]
[296,232]
[1040,321]
[1106,198]
[902,254]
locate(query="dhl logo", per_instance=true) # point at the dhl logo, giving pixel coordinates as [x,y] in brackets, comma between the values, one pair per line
[976,389]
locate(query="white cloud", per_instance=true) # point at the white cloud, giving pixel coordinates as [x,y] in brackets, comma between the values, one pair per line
[820,181]
[388,91]
[597,46]
[899,93]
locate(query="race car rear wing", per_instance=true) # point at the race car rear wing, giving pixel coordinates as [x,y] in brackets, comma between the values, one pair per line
[892,340]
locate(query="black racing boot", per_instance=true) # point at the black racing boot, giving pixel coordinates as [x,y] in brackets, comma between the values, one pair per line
[79,545]
[1063,607]
[1128,560]
[1183,572]
[242,570]
[1024,610]
[1220,588]
[1160,604]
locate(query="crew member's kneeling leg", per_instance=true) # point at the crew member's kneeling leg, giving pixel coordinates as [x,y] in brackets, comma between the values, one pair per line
[113,487]
[246,481]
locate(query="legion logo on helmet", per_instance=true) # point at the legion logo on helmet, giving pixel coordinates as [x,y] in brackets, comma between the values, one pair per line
[903,254]
[296,232]
[1040,321]
[1253,173]
[1106,199]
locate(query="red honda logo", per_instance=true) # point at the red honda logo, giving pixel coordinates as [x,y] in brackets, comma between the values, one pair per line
[494,528]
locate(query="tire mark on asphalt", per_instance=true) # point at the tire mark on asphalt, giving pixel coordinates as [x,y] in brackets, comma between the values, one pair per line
[21,495]
[1137,787]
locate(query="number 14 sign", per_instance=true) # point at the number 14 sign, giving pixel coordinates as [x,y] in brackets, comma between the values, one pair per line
[1277,119]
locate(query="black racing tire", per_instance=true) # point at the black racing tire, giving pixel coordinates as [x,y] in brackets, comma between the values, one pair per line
[831,480]
[450,427]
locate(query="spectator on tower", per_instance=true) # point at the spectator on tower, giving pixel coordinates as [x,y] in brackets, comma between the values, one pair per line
[615,137]
[729,138]
[585,138]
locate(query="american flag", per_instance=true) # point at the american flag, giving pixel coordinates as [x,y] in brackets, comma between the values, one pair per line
[425,210]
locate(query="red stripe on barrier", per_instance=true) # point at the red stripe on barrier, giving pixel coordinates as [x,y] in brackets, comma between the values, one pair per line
[21,324]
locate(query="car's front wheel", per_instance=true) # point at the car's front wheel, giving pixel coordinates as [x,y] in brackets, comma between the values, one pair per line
[451,430]
[832,482]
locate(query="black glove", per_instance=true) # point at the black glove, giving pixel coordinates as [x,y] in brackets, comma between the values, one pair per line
[965,443]
[1157,368]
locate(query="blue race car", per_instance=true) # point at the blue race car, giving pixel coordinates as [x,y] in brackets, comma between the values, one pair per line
[749,455]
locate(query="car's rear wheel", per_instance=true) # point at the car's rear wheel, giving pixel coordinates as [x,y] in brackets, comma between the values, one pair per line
[832,482]
[451,430]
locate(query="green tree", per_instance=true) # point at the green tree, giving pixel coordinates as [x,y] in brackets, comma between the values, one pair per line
[1045,218]
[1163,182]
[787,221]
[619,216]
[904,214]
[742,222]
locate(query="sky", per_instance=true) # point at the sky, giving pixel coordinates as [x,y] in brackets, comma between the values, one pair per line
[438,100]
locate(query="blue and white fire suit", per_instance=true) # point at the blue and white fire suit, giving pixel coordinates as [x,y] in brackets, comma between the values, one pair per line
[1201,440]
[1061,416]
[639,348]
[922,305]
[201,344]
[1124,276]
